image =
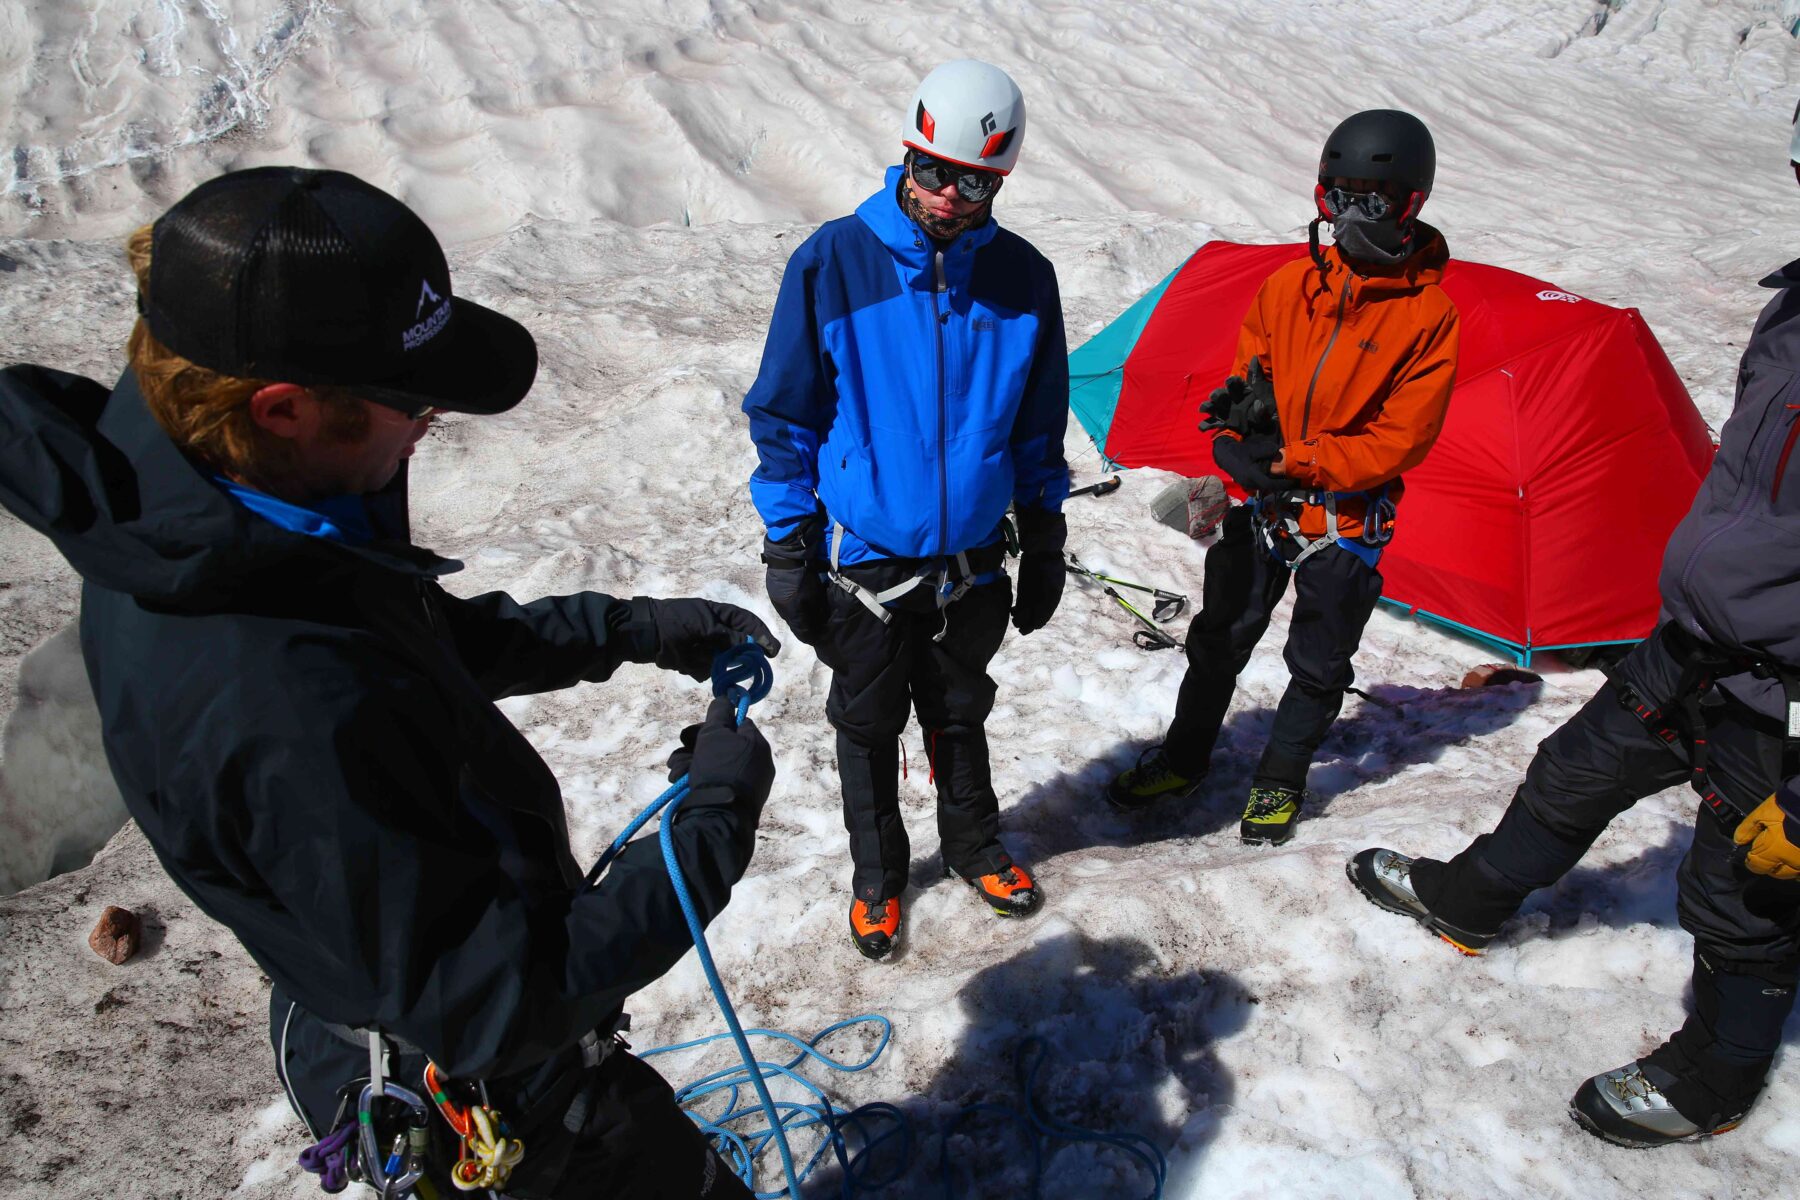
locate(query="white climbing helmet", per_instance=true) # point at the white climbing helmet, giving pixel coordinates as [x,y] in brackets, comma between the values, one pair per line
[967,112]
[1794,146]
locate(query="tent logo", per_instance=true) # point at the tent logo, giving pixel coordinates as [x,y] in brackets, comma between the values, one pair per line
[1563,296]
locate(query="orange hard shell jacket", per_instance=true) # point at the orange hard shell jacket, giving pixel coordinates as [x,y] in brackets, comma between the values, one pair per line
[1362,360]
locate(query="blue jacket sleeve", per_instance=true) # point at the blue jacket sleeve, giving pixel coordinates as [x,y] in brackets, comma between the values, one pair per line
[1040,474]
[792,402]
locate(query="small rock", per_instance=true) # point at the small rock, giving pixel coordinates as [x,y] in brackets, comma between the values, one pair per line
[1495,674]
[117,935]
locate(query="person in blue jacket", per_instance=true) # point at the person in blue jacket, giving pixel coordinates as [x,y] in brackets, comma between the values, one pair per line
[914,385]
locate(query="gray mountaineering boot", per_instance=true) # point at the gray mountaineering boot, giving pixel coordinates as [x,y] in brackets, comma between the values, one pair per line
[1385,877]
[1628,1106]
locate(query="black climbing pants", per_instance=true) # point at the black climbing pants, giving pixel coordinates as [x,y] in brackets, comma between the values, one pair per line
[611,1129]
[1335,591]
[1746,927]
[882,672]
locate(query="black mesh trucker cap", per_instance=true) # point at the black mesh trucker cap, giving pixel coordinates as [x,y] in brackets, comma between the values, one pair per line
[315,277]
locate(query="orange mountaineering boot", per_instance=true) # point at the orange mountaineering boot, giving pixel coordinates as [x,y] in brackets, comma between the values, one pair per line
[875,927]
[1011,892]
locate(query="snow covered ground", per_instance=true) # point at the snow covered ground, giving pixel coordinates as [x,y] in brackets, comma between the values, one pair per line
[627,179]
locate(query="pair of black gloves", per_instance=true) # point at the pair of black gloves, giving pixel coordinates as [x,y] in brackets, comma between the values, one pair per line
[797,588]
[1245,406]
[728,763]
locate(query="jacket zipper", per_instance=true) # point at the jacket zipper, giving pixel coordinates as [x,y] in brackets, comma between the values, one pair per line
[1787,450]
[1736,517]
[938,316]
[1343,306]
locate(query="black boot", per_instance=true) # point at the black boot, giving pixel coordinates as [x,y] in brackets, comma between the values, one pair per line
[1703,1080]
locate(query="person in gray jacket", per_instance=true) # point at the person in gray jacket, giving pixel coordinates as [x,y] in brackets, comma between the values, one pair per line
[1711,698]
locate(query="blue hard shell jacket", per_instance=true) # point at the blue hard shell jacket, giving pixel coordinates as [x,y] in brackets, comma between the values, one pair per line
[910,392]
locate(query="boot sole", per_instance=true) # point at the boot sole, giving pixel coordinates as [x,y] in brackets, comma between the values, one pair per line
[875,955]
[1251,839]
[1010,913]
[1590,1125]
[1137,805]
[1386,905]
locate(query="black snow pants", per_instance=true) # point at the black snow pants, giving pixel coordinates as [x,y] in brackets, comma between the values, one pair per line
[609,1130]
[1335,591]
[881,672]
[1746,927]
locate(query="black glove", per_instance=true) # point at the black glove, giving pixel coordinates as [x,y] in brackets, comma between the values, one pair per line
[691,633]
[1222,404]
[1247,460]
[726,763]
[1041,571]
[796,587]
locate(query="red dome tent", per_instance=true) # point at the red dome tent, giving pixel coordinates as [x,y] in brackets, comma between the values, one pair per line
[1570,451]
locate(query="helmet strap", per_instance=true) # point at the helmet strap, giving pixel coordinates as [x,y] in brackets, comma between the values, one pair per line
[1312,245]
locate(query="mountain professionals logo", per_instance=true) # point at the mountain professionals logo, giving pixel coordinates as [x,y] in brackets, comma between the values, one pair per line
[429,325]
[988,124]
[1367,346]
[426,296]
[1563,296]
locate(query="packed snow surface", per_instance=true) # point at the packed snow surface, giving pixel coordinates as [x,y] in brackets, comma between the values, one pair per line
[628,179]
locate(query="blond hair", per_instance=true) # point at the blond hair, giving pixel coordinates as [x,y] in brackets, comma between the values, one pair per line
[206,413]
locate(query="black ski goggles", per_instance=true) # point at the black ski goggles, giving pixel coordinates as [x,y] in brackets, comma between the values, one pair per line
[935,174]
[1373,205]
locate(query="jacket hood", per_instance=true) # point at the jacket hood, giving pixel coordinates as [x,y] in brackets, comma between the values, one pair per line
[903,237]
[96,474]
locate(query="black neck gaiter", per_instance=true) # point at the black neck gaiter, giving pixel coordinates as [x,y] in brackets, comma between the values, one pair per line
[1365,239]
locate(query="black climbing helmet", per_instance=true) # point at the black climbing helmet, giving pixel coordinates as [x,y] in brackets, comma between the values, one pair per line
[1385,144]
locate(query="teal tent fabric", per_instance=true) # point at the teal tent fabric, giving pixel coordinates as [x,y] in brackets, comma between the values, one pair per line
[1097,366]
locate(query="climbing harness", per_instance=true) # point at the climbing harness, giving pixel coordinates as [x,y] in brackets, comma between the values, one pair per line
[946,588]
[1682,723]
[1166,605]
[1276,518]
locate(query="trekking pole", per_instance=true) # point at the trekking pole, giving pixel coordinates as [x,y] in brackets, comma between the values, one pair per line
[1104,487]
[1169,605]
[1152,636]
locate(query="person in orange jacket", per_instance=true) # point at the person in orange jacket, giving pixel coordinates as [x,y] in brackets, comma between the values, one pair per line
[1354,349]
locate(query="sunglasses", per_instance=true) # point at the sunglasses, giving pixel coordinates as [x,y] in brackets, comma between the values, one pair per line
[406,405]
[935,174]
[1373,205]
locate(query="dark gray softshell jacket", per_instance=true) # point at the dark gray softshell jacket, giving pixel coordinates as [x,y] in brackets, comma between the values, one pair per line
[1731,573]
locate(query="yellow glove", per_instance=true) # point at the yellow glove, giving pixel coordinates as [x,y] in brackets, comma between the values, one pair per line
[1772,851]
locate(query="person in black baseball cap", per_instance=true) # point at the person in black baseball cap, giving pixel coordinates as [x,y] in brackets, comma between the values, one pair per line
[301,719]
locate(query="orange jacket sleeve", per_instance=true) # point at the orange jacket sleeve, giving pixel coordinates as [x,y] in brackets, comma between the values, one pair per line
[1253,337]
[1399,437]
